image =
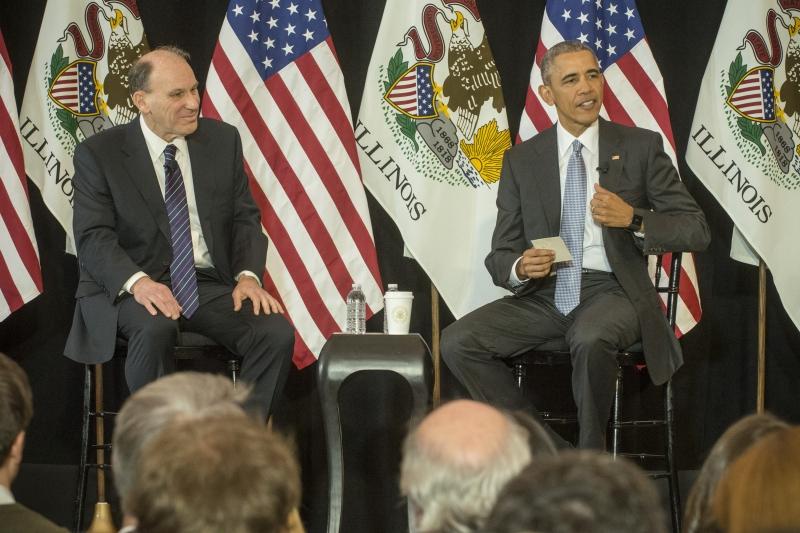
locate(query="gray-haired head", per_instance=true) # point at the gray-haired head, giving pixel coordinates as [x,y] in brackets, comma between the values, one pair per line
[456,461]
[564,47]
[180,396]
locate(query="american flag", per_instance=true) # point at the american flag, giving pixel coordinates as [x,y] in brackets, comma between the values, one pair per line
[753,96]
[412,93]
[20,274]
[75,88]
[634,93]
[275,76]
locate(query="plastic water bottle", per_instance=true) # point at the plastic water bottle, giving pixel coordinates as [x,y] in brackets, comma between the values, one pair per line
[392,288]
[356,310]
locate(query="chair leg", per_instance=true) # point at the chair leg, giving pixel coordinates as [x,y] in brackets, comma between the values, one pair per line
[233,369]
[669,430]
[520,372]
[80,496]
[615,414]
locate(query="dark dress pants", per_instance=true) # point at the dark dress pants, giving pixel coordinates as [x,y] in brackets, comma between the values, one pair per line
[264,342]
[603,322]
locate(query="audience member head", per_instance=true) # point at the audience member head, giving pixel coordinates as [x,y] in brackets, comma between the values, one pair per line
[761,489]
[730,446]
[16,410]
[578,492]
[158,405]
[456,461]
[215,474]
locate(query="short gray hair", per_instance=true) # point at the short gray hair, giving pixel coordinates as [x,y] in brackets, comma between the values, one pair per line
[564,47]
[180,396]
[457,498]
[139,74]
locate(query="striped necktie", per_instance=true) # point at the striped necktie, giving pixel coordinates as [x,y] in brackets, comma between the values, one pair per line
[573,217]
[181,269]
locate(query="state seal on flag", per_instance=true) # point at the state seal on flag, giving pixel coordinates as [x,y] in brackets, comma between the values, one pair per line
[446,94]
[90,93]
[762,98]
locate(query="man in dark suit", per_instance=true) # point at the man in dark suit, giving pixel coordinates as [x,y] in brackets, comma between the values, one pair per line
[614,196]
[16,410]
[168,237]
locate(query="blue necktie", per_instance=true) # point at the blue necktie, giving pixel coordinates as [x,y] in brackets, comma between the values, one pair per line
[573,216]
[181,269]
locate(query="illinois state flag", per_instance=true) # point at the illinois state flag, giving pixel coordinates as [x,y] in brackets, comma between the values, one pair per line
[77,85]
[634,95]
[431,135]
[20,275]
[274,75]
[745,136]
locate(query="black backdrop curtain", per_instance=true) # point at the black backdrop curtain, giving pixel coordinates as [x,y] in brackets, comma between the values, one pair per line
[717,383]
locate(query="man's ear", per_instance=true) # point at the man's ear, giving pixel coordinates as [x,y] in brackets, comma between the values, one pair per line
[546,94]
[140,101]
[17,446]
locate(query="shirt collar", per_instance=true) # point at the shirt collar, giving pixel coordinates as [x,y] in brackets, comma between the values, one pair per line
[156,145]
[5,496]
[589,139]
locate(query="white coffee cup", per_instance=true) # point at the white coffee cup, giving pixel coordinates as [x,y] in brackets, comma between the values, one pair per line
[397,306]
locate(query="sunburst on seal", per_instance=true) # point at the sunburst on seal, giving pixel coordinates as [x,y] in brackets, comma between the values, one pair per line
[486,151]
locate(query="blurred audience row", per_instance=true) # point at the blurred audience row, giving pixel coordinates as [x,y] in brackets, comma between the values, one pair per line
[188,458]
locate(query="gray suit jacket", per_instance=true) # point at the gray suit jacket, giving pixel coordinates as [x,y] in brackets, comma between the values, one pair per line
[642,174]
[121,226]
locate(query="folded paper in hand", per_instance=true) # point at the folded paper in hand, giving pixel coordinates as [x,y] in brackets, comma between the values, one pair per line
[556,244]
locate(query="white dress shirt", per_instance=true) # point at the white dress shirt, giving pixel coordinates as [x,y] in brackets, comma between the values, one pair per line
[594,252]
[6,498]
[156,146]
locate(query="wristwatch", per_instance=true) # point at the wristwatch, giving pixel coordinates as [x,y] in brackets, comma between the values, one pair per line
[636,223]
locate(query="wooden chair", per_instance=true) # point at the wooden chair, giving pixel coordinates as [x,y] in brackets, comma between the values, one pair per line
[189,346]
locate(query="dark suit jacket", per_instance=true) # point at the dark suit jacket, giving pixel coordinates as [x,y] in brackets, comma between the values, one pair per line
[121,226]
[529,207]
[16,518]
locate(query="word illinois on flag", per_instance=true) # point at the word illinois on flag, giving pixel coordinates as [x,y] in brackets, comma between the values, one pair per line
[634,94]
[20,275]
[431,134]
[744,145]
[77,86]
[274,75]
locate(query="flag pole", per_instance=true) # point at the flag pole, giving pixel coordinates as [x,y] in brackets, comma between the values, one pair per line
[762,337]
[435,331]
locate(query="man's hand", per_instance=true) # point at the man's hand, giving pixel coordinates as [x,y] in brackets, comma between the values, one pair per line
[609,209]
[248,288]
[535,263]
[156,297]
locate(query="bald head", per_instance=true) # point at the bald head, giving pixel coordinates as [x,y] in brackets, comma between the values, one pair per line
[464,432]
[457,460]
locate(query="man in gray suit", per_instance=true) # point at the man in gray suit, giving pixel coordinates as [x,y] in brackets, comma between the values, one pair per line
[614,196]
[168,237]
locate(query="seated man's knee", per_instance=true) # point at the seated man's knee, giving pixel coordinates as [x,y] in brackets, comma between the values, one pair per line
[587,338]
[277,331]
[455,338]
[160,331]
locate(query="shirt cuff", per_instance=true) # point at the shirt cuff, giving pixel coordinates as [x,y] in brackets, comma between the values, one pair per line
[513,279]
[128,285]
[248,273]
